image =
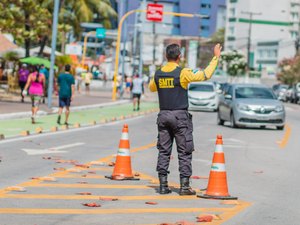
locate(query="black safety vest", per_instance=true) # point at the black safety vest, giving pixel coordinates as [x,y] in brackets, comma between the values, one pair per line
[170,93]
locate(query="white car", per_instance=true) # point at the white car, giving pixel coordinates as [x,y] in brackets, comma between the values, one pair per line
[203,96]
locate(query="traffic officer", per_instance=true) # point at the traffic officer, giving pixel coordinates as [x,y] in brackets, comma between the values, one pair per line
[174,121]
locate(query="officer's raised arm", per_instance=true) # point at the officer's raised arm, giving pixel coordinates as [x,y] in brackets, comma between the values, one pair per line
[189,75]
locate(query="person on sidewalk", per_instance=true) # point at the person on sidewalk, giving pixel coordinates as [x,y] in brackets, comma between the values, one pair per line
[174,121]
[87,77]
[23,77]
[36,81]
[137,89]
[66,83]
[45,71]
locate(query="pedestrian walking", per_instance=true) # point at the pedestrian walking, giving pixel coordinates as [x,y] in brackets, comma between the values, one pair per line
[174,121]
[45,71]
[36,83]
[137,89]
[23,76]
[87,77]
[66,83]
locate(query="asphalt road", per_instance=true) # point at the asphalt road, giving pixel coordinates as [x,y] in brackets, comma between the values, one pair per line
[261,164]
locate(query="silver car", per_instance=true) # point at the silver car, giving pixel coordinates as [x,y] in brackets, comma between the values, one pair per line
[203,96]
[250,105]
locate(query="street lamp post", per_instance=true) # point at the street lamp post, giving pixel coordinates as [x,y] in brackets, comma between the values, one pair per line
[53,46]
[85,46]
[114,92]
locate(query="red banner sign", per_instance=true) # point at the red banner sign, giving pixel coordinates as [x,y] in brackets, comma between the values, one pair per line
[154,12]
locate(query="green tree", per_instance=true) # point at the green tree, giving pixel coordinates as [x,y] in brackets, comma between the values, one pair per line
[218,37]
[26,20]
[289,71]
[30,21]
[207,47]
[75,12]
[234,62]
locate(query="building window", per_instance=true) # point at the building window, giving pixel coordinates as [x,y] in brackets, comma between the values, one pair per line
[233,1]
[231,31]
[268,54]
[294,35]
[232,12]
[261,54]
[294,16]
[204,28]
[206,6]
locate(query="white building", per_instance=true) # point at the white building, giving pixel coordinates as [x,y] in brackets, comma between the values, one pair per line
[275,28]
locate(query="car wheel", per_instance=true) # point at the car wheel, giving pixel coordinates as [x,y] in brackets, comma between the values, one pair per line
[232,121]
[219,120]
[280,127]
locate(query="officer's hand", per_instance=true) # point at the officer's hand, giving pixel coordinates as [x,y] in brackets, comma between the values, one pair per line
[217,50]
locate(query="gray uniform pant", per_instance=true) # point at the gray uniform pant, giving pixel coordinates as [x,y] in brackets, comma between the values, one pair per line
[175,124]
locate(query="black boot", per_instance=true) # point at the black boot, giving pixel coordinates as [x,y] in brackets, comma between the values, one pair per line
[185,188]
[163,187]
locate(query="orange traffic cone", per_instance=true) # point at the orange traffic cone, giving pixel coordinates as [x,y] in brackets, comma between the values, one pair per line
[122,169]
[217,183]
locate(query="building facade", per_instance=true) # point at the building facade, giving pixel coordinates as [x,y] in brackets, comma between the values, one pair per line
[215,9]
[274,30]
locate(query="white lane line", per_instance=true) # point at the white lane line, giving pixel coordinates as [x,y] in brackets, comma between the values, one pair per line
[67,146]
[53,150]
[229,140]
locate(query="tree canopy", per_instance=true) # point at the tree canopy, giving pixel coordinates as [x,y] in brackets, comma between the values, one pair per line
[30,21]
[289,71]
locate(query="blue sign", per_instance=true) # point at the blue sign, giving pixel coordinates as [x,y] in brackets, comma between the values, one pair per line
[100,32]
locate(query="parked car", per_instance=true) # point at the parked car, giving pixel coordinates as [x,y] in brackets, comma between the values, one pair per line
[294,93]
[250,105]
[281,91]
[203,96]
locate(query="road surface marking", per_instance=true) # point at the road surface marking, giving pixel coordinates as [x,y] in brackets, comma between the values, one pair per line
[227,213]
[286,137]
[53,150]
[109,158]
[92,176]
[110,211]
[96,197]
[107,186]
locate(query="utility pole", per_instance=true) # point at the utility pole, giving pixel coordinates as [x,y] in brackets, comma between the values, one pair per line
[53,47]
[141,37]
[154,38]
[251,14]
[297,41]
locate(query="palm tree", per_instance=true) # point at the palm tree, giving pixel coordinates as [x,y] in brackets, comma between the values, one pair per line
[76,12]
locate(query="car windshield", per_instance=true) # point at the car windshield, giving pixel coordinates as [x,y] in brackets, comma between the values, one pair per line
[201,87]
[253,92]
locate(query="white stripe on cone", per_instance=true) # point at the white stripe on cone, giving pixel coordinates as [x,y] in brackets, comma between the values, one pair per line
[219,148]
[123,152]
[218,167]
[125,136]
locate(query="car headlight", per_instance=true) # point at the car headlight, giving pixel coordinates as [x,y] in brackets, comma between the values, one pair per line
[243,107]
[212,97]
[279,108]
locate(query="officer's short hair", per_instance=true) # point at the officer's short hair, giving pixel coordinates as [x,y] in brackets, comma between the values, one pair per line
[173,52]
[67,68]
